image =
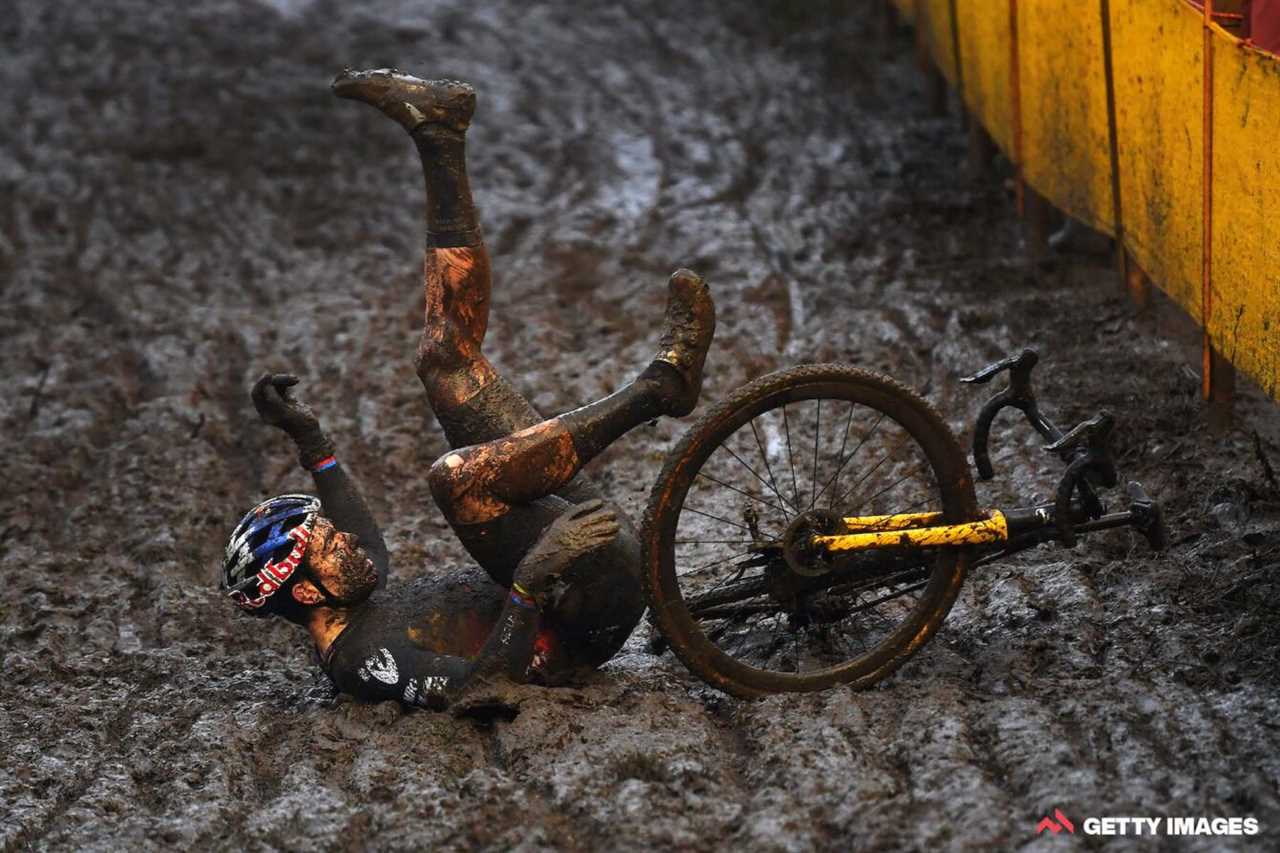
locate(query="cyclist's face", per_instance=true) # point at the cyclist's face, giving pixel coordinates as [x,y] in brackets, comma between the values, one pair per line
[334,558]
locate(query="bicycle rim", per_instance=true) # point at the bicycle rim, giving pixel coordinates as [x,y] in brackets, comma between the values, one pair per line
[816,437]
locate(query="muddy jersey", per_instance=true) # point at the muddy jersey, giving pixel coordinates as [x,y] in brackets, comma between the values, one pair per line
[375,665]
[406,645]
[420,642]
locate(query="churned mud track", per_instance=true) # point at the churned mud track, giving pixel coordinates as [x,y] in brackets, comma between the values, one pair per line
[184,205]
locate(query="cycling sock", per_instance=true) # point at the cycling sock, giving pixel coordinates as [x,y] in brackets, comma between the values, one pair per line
[452,219]
[496,410]
[597,425]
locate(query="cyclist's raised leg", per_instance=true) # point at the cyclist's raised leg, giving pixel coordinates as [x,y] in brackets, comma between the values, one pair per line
[472,402]
[500,497]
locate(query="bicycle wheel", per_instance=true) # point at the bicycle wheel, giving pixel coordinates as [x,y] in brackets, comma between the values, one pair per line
[730,583]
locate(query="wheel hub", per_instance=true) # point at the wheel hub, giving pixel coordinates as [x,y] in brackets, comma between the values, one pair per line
[802,555]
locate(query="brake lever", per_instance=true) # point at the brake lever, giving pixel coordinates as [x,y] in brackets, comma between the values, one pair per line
[1018,395]
[1026,359]
[1090,445]
[1091,434]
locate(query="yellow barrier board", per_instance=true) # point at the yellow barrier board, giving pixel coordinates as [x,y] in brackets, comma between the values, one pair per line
[1066,145]
[1157,67]
[933,18]
[1158,79]
[984,34]
[1244,317]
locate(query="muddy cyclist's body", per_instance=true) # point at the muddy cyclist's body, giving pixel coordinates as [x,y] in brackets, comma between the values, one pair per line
[565,563]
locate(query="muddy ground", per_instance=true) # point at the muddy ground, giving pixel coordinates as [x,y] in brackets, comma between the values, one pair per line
[184,205]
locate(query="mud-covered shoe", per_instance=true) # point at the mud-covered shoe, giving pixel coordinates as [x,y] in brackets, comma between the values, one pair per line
[409,100]
[690,324]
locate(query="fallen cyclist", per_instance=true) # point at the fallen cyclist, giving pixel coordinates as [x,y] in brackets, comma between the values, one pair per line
[564,563]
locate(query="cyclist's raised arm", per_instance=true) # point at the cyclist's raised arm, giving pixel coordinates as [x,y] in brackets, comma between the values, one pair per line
[345,507]
[341,498]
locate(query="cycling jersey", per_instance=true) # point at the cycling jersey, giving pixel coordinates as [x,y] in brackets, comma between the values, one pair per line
[421,642]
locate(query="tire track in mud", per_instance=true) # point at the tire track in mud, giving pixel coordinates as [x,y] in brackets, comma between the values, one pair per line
[116,740]
[68,794]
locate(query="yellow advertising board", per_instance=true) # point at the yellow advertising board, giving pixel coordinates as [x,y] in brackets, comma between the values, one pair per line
[984,36]
[1157,72]
[1244,314]
[933,18]
[1066,142]
[1157,80]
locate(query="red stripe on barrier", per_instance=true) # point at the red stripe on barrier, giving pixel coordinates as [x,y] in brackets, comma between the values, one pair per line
[1015,96]
[1206,254]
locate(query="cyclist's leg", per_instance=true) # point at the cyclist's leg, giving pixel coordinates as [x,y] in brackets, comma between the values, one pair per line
[455,261]
[472,402]
[499,495]
[483,482]
[511,501]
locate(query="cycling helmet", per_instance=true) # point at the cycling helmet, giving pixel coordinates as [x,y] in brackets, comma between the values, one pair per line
[266,549]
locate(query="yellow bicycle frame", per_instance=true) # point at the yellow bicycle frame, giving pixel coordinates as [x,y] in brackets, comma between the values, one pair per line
[914,530]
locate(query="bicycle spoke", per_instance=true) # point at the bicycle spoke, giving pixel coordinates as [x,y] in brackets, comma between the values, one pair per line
[897,594]
[727,611]
[714,601]
[892,485]
[718,518]
[846,460]
[733,587]
[772,486]
[791,459]
[885,456]
[840,455]
[768,469]
[702,568]
[817,436]
[741,492]
[915,506]
[859,586]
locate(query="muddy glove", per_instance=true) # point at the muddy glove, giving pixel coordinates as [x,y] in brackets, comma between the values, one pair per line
[277,408]
[580,530]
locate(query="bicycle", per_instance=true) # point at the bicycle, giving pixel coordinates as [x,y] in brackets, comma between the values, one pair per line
[821,576]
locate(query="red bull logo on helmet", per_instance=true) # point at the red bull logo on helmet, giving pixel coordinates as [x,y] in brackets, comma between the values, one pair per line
[272,576]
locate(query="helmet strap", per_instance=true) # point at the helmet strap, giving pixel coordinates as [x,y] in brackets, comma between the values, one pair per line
[329,598]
